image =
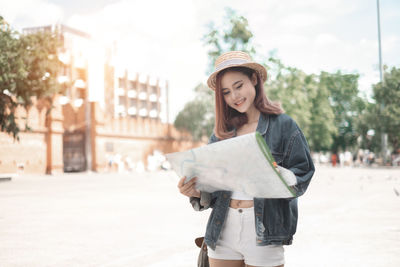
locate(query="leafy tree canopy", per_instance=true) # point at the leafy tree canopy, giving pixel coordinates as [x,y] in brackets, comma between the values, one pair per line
[28,68]
[382,116]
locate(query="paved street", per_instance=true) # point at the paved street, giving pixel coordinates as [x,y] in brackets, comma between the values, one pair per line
[348,217]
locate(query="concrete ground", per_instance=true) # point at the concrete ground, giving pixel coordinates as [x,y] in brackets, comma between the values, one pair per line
[348,217]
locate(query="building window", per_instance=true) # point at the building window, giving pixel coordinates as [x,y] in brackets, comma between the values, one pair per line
[132,93]
[153,98]
[142,95]
[132,85]
[121,83]
[143,112]
[81,73]
[121,100]
[81,93]
[153,113]
[133,102]
[132,111]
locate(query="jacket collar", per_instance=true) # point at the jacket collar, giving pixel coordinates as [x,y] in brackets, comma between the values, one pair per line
[263,123]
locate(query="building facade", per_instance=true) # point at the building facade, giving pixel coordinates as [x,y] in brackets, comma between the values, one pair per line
[112,116]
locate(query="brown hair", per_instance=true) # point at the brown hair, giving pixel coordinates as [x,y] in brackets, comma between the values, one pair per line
[226,118]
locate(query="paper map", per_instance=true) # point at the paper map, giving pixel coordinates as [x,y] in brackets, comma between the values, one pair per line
[236,164]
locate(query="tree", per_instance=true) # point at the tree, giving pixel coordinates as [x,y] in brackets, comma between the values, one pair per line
[322,127]
[198,115]
[387,97]
[304,100]
[235,35]
[12,69]
[346,106]
[28,68]
[288,86]
[365,127]
[382,115]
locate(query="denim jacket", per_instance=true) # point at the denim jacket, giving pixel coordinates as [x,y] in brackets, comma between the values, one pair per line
[275,219]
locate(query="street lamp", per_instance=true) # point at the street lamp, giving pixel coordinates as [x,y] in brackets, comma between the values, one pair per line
[383,135]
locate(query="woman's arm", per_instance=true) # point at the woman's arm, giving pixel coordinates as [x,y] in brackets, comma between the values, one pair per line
[298,160]
[199,200]
[205,200]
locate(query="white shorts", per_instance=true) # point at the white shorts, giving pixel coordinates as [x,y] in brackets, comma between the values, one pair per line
[238,242]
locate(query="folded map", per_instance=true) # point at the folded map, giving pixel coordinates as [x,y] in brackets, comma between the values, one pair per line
[243,163]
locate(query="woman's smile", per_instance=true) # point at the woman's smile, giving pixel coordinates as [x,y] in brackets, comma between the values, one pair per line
[240,101]
[239,91]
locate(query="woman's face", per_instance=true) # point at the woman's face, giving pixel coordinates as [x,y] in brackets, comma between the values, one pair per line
[238,90]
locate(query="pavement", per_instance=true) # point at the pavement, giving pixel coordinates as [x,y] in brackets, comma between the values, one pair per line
[348,217]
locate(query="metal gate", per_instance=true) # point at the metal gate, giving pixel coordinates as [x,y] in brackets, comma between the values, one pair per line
[74,155]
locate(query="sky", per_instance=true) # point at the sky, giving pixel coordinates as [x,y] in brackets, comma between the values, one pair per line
[164,38]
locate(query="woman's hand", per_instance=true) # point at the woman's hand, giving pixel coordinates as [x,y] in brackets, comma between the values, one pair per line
[189,188]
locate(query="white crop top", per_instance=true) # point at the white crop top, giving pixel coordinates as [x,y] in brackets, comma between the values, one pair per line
[240,196]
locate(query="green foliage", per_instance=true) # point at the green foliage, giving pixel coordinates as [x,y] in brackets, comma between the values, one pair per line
[11,70]
[383,115]
[234,35]
[197,117]
[322,126]
[290,89]
[364,124]
[325,106]
[346,105]
[304,100]
[28,68]
[387,96]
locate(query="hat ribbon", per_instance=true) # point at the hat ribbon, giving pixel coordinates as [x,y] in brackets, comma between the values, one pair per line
[233,61]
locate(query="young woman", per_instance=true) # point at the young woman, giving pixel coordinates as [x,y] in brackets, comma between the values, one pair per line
[243,230]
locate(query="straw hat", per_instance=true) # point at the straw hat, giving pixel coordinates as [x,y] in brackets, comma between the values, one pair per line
[235,59]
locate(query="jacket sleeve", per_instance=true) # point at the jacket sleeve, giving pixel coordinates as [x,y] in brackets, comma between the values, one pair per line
[298,160]
[206,199]
[204,202]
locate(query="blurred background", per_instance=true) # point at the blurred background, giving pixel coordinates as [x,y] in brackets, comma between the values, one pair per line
[100,84]
[95,85]
[96,92]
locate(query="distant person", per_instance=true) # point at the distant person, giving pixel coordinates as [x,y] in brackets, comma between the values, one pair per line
[371,158]
[334,159]
[359,158]
[341,159]
[243,229]
[348,158]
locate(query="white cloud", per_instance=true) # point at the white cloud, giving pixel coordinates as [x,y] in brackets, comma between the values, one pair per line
[296,21]
[391,44]
[30,13]
[326,39]
[331,53]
